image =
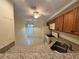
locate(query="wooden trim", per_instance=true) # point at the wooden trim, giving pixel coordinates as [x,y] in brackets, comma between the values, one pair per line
[4,49]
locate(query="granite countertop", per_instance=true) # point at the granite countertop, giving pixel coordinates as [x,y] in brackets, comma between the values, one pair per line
[39,56]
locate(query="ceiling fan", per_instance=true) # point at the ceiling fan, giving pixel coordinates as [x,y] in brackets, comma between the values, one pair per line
[35,12]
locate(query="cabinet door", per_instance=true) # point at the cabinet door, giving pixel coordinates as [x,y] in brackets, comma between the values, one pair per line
[56,24]
[68,21]
[59,23]
[76,27]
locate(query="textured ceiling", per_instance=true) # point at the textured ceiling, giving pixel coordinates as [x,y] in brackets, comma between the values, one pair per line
[24,8]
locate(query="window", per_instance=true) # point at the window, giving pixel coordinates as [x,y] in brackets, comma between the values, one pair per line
[29,29]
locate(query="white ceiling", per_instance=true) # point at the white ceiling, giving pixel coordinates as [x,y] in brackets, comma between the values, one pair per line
[23,10]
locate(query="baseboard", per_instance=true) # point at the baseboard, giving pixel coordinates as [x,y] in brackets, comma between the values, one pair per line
[4,49]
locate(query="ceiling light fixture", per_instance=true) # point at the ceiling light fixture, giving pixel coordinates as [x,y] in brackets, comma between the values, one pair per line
[36,14]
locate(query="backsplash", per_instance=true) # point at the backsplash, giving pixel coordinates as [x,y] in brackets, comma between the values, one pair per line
[70,37]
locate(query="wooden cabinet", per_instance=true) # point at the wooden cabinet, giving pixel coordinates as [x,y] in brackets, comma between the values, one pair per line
[59,23]
[76,22]
[56,24]
[69,21]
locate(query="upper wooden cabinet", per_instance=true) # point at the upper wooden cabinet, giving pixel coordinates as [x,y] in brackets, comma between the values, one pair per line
[68,22]
[59,23]
[69,19]
[56,24]
[76,22]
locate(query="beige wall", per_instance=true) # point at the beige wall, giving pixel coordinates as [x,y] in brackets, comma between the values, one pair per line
[6,23]
[19,30]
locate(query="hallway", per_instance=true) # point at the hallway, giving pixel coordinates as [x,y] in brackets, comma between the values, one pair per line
[31,36]
[29,33]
